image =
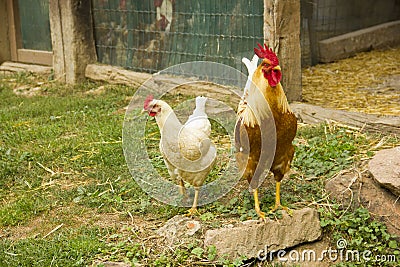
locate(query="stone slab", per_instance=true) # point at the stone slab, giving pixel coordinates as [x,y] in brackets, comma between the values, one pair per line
[252,237]
[349,44]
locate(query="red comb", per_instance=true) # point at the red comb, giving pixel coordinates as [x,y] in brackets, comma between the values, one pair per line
[267,53]
[149,98]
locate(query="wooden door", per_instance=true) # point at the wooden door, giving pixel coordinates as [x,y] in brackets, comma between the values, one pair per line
[29,31]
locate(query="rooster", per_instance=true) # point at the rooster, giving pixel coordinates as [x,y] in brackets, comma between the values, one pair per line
[187,150]
[263,96]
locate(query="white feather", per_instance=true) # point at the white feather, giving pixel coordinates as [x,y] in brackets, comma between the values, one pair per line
[187,150]
[199,119]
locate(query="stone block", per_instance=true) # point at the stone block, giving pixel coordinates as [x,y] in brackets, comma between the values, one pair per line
[253,237]
[349,44]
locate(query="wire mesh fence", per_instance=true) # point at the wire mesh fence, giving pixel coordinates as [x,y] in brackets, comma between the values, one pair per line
[322,19]
[154,34]
[151,35]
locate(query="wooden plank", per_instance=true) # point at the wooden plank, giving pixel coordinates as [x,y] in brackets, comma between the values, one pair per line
[74,19]
[5,53]
[14,28]
[21,67]
[57,39]
[311,114]
[163,83]
[115,75]
[282,34]
[35,57]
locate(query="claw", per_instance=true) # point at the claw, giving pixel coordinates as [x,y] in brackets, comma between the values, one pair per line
[257,206]
[279,206]
[261,215]
[192,212]
[278,201]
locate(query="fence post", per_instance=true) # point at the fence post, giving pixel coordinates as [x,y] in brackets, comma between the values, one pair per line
[5,52]
[72,39]
[282,33]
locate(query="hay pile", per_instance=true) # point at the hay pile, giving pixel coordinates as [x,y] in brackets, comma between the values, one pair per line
[368,82]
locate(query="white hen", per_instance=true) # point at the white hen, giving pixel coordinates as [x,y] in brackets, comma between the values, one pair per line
[187,149]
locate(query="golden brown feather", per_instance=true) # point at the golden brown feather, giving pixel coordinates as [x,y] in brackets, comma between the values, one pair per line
[248,134]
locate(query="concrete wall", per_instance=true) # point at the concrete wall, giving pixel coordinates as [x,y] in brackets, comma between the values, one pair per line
[346,45]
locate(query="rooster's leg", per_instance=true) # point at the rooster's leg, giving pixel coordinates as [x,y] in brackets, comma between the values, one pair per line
[257,205]
[193,210]
[182,189]
[278,199]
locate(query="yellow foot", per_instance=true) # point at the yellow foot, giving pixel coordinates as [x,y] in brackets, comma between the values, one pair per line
[261,214]
[279,206]
[192,211]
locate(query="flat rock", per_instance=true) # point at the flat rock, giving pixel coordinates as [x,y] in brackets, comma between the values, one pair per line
[360,189]
[252,237]
[178,228]
[385,168]
[339,187]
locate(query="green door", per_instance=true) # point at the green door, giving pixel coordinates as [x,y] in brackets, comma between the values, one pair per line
[35,24]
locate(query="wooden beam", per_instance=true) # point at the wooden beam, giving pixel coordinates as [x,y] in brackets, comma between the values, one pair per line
[311,114]
[115,75]
[72,38]
[22,67]
[5,52]
[282,34]
[163,83]
[35,57]
[57,40]
[14,32]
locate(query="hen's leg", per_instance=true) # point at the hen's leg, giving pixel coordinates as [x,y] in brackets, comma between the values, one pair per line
[193,210]
[257,205]
[182,189]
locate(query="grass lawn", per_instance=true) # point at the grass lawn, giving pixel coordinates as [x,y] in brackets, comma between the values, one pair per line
[68,199]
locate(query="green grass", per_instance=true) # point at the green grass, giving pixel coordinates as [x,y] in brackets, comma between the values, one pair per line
[61,163]
[72,248]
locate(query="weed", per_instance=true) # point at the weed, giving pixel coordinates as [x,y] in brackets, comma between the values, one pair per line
[360,233]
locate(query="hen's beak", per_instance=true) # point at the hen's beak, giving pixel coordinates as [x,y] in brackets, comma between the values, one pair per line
[277,68]
[143,111]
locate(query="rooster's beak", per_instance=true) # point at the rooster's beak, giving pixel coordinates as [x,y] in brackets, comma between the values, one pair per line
[277,68]
[143,111]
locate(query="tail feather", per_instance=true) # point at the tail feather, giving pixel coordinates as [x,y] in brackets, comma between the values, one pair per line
[199,119]
[200,109]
